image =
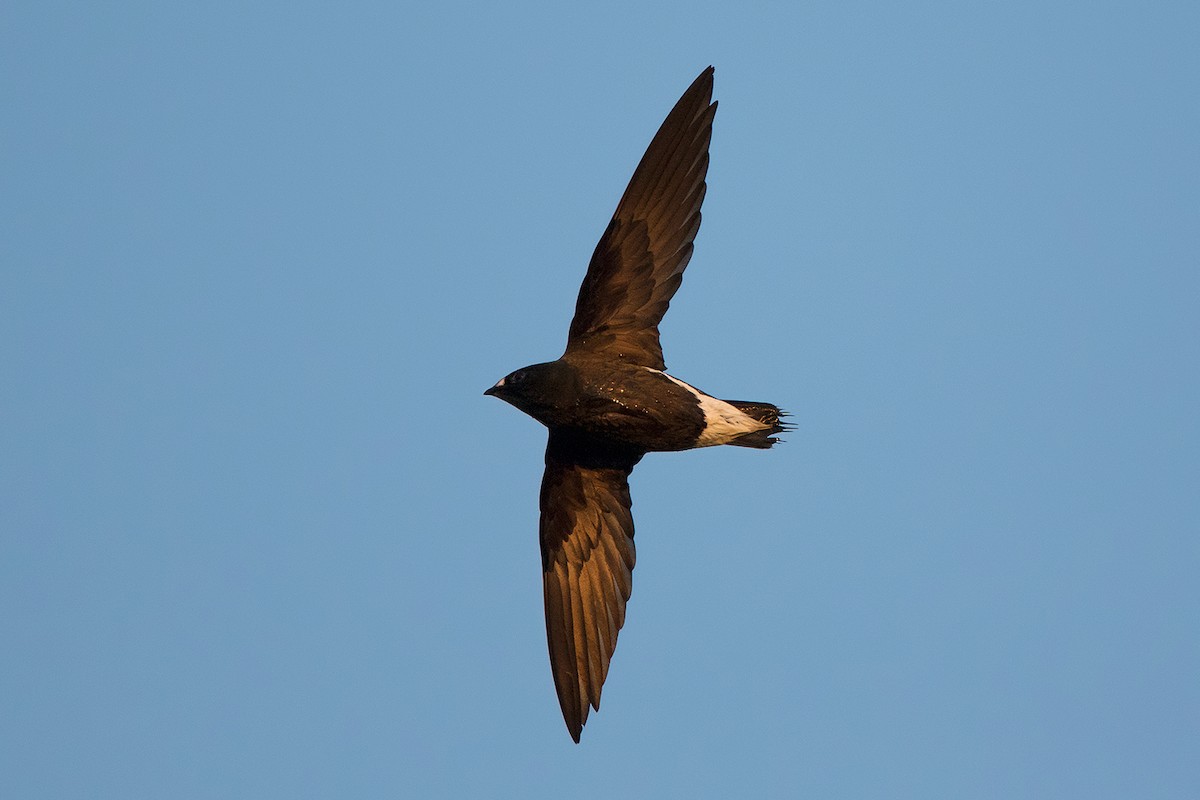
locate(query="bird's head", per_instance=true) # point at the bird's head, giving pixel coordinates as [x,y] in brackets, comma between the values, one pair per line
[539,390]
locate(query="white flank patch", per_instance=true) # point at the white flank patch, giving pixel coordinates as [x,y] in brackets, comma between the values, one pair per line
[722,422]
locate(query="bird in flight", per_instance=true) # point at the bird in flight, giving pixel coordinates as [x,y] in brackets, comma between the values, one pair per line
[608,401]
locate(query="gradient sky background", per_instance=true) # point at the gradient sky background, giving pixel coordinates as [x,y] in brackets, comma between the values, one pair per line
[261,534]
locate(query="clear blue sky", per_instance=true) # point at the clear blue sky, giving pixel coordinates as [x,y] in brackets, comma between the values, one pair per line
[261,534]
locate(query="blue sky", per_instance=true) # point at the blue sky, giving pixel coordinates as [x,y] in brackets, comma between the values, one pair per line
[261,535]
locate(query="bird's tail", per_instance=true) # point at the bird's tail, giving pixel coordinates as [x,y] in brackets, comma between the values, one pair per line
[766,414]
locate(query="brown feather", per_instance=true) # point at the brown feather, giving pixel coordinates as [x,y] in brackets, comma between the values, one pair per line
[638,264]
[587,561]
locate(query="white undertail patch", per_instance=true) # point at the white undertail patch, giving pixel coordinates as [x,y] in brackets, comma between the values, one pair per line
[722,422]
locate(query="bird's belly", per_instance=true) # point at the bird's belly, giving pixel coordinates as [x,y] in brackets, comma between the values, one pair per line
[662,420]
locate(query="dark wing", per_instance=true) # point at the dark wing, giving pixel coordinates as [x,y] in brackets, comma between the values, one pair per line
[587,565]
[639,262]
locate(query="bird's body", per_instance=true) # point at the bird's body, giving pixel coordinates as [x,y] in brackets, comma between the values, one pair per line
[608,401]
[640,407]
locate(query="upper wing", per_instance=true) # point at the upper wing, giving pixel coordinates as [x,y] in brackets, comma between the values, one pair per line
[587,565]
[639,262]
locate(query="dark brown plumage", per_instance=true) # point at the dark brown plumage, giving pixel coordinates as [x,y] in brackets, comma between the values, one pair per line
[638,264]
[607,402]
[588,555]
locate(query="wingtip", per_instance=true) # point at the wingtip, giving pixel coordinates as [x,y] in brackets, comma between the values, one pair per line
[703,82]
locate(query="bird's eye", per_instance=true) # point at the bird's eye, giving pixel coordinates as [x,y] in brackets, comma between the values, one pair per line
[517,377]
